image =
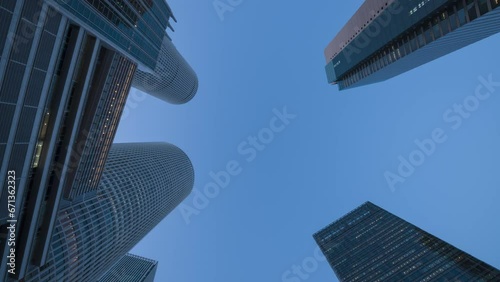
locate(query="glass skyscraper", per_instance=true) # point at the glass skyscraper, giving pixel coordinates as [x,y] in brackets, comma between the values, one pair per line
[66,68]
[131,268]
[370,244]
[385,38]
[141,184]
[173,80]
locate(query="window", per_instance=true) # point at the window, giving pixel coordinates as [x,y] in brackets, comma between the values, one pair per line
[495,3]
[420,37]
[471,10]
[483,6]
[428,34]
[413,41]
[405,46]
[452,18]
[436,27]
[461,14]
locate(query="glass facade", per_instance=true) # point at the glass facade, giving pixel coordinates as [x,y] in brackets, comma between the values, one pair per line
[141,184]
[173,79]
[370,244]
[27,63]
[131,268]
[98,127]
[66,67]
[135,27]
[415,35]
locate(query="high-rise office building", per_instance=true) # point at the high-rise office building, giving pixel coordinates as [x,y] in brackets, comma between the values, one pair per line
[370,244]
[141,184]
[173,80]
[385,38]
[131,268]
[66,68]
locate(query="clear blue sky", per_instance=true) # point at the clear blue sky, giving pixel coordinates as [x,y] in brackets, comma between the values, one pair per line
[329,159]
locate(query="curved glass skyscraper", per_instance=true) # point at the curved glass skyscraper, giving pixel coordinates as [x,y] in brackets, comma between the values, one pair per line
[173,79]
[141,184]
[131,268]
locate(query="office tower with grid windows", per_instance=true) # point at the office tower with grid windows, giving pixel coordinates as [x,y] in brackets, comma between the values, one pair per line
[370,244]
[66,68]
[141,184]
[131,268]
[385,38]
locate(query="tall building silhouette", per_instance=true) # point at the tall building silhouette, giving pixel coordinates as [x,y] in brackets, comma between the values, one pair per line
[385,38]
[141,184]
[131,268]
[66,68]
[370,244]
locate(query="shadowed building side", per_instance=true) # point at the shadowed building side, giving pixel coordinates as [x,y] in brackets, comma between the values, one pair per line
[141,184]
[173,79]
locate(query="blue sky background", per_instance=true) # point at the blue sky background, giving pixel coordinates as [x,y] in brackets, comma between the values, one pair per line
[330,159]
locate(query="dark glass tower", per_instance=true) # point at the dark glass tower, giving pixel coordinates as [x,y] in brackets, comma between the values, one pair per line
[131,268]
[370,244]
[385,38]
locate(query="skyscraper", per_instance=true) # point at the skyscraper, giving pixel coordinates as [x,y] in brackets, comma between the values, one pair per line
[141,184]
[173,80]
[385,38]
[66,68]
[131,268]
[370,244]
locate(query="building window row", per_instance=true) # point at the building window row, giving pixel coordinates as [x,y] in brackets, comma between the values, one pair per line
[441,24]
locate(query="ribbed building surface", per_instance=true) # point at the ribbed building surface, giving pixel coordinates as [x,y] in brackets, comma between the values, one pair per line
[386,38]
[370,244]
[173,79]
[131,268]
[141,184]
[110,87]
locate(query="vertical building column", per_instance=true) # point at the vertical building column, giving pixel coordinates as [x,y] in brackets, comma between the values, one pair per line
[38,195]
[46,221]
[17,114]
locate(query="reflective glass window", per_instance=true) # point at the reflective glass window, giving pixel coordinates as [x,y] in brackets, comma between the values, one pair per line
[471,10]
[483,6]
